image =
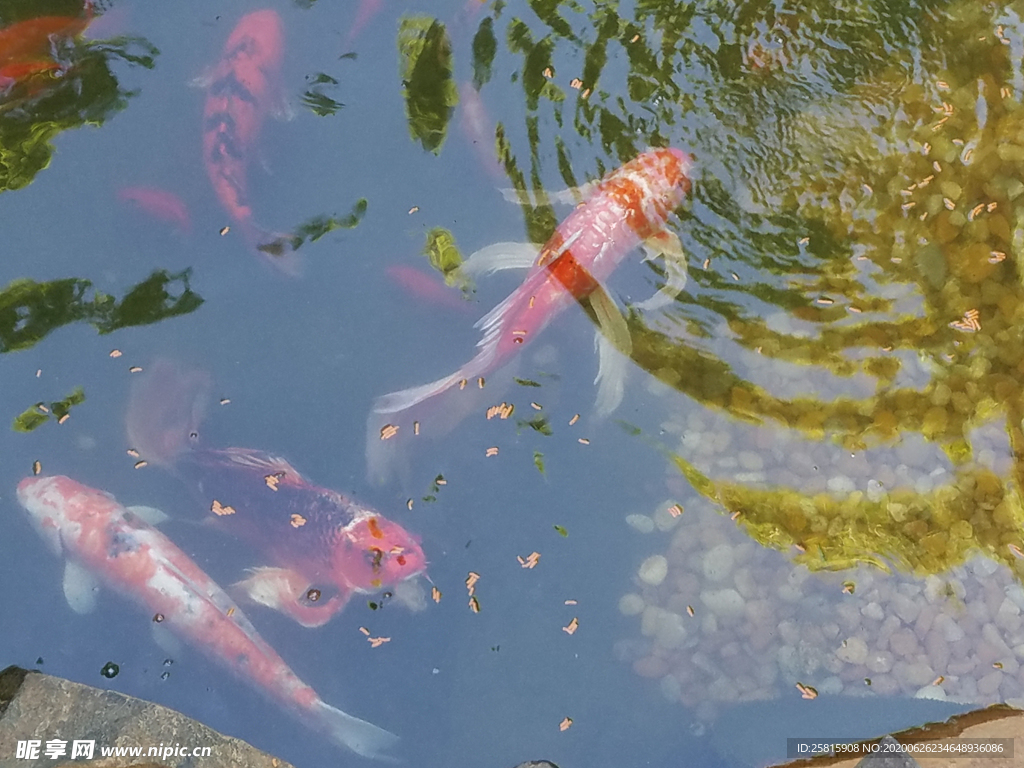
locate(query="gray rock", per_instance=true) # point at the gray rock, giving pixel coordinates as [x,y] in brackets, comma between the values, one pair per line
[38,706]
[893,759]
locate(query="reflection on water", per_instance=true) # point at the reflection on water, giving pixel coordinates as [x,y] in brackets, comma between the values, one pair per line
[832,514]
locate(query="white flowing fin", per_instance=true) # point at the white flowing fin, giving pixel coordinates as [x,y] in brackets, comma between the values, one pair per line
[610,320]
[150,515]
[570,196]
[499,257]
[666,244]
[80,588]
[166,640]
[611,375]
[361,737]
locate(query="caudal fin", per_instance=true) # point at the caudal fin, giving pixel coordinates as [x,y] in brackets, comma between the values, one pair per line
[361,737]
[165,409]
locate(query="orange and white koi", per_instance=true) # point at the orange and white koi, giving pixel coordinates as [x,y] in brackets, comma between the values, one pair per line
[628,207]
[243,88]
[101,539]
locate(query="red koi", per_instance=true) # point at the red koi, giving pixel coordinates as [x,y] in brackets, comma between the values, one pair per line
[100,539]
[427,287]
[324,547]
[160,204]
[628,207]
[243,89]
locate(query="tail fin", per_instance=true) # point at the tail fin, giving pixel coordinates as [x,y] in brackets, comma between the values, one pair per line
[394,419]
[165,409]
[361,737]
[276,249]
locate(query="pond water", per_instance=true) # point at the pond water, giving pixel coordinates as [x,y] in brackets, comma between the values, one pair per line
[802,520]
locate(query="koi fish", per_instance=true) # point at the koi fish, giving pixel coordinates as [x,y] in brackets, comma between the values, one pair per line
[160,204]
[628,207]
[428,287]
[27,47]
[244,85]
[100,539]
[325,547]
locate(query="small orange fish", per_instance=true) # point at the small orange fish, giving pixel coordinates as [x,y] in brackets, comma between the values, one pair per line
[244,88]
[27,47]
[159,204]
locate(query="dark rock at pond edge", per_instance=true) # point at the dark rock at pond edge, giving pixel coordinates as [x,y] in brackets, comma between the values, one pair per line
[888,759]
[537,764]
[38,706]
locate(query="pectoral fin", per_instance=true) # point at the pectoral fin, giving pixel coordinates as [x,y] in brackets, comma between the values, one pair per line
[499,257]
[151,515]
[291,593]
[80,588]
[614,346]
[536,198]
[666,244]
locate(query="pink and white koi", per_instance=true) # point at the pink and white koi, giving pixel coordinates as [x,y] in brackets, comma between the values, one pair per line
[629,207]
[101,539]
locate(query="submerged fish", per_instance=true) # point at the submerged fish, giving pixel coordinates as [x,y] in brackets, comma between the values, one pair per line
[27,48]
[244,87]
[160,204]
[628,207]
[101,539]
[325,547]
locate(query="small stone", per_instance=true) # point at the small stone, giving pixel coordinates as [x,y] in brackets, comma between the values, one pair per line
[670,688]
[665,517]
[876,491]
[904,643]
[653,570]
[641,523]
[670,633]
[905,608]
[931,692]
[631,604]
[879,662]
[919,673]
[841,485]
[989,684]
[650,666]
[750,461]
[650,620]
[718,563]
[724,603]
[873,611]
[830,686]
[853,651]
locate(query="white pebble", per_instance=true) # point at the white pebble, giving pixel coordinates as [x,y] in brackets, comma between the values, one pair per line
[670,688]
[830,686]
[725,603]
[750,461]
[641,523]
[631,604]
[718,562]
[931,692]
[665,520]
[840,484]
[853,651]
[670,633]
[876,491]
[653,570]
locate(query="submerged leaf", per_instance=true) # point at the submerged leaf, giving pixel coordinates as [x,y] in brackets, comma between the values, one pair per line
[485,46]
[446,258]
[538,461]
[429,87]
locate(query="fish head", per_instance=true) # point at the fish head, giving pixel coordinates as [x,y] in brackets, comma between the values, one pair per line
[59,509]
[258,38]
[379,553]
[670,178]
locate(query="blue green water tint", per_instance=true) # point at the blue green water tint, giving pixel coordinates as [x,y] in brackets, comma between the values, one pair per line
[834,403]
